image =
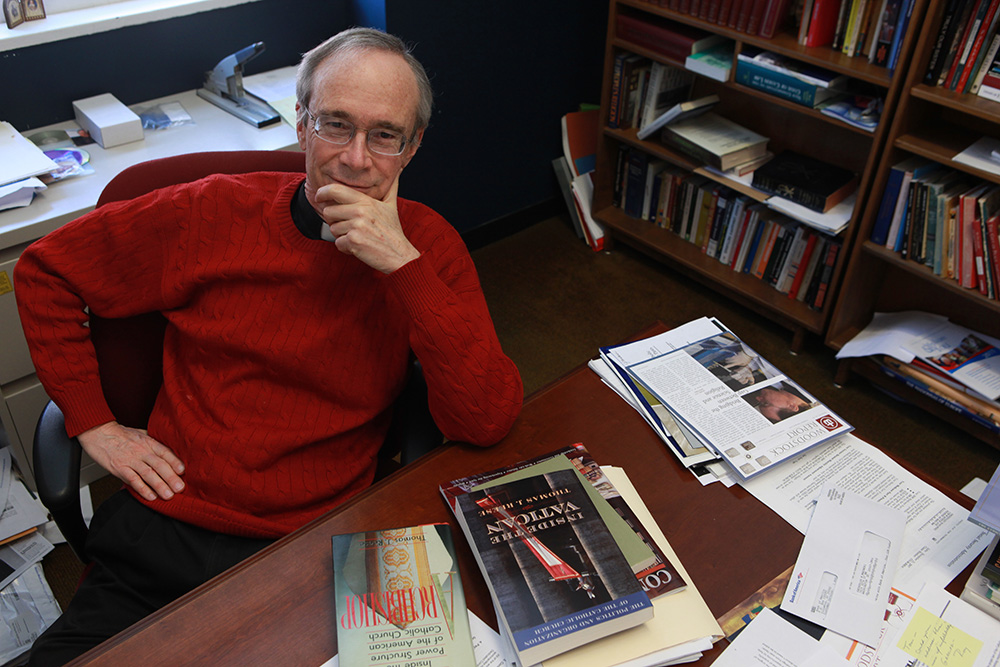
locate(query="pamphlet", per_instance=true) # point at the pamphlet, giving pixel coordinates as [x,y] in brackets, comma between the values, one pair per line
[743,407]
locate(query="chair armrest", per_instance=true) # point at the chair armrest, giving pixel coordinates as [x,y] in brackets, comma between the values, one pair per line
[56,463]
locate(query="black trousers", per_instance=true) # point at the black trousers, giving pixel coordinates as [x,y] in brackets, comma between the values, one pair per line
[142,560]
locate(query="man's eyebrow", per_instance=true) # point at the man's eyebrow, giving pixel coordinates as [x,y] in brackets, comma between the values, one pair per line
[384,124]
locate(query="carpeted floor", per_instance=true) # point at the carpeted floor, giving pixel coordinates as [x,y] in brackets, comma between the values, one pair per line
[554,302]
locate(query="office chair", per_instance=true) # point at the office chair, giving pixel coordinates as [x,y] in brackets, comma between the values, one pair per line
[130,356]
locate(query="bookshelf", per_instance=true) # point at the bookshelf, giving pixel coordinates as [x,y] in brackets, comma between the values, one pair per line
[933,123]
[787,125]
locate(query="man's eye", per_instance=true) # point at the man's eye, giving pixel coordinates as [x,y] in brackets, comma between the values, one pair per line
[386,135]
[335,125]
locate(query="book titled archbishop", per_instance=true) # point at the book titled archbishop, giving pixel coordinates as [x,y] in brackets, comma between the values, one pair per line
[399,599]
[557,577]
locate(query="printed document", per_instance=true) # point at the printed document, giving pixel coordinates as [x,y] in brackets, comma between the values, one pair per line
[842,576]
[771,641]
[938,542]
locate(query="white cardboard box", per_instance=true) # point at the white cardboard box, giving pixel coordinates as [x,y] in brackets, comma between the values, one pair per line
[107,120]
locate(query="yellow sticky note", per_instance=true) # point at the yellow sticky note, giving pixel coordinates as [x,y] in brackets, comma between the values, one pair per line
[938,643]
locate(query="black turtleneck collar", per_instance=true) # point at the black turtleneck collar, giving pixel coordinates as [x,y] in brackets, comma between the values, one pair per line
[305,216]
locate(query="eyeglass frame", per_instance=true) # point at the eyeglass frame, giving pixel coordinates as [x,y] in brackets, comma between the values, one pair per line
[354,131]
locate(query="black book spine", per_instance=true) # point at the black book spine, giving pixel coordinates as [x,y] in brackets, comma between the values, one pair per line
[945,33]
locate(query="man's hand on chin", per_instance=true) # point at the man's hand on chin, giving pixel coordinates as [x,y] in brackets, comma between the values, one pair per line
[365,227]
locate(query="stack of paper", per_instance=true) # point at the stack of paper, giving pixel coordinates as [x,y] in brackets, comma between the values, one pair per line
[26,603]
[681,626]
[726,401]
[20,160]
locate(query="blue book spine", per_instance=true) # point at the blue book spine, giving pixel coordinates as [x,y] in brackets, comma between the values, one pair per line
[880,231]
[897,39]
[753,246]
[775,83]
[635,188]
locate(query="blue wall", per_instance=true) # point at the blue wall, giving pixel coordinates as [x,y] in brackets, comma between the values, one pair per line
[503,74]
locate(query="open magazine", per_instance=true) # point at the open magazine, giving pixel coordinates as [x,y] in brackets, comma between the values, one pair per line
[613,365]
[735,403]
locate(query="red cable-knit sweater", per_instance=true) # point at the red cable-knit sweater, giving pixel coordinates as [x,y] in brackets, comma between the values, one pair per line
[282,355]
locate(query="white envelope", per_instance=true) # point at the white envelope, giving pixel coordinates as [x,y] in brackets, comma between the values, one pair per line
[846,566]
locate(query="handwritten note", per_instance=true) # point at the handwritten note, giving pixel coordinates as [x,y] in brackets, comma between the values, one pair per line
[938,643]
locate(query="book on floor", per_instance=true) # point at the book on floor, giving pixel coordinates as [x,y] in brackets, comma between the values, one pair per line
[557,576]
[399,598]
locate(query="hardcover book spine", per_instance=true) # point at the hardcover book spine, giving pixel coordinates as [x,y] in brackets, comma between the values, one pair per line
[663,41]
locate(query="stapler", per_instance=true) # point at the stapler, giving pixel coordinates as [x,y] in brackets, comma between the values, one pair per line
[224,88]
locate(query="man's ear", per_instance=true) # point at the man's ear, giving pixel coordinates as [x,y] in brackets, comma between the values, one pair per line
[300,126]
[412,147]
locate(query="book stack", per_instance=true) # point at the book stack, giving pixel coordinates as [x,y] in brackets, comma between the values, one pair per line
[643,89]
[730,404]
[964,55]
[943,219]
[575,566]
[788,79]
[728,226]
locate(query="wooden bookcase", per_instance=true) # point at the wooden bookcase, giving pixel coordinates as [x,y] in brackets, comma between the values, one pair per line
[786,124]
[934,123]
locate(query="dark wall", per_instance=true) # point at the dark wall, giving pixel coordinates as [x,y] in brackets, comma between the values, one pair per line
[503,74]
[152,60]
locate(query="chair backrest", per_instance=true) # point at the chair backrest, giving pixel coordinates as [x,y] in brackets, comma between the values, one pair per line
[130,350]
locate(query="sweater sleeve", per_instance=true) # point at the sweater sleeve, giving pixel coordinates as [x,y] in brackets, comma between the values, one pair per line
[475,390]
[65,273]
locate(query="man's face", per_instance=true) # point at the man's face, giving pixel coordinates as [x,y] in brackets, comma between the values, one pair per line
[371,90]
[776,404]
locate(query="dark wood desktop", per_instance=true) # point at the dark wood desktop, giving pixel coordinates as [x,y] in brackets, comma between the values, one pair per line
[277,607]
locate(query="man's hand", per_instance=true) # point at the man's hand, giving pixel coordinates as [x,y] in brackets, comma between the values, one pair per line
[367,228]
[146,465]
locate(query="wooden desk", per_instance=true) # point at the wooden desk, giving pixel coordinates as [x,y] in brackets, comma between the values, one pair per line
[277,607]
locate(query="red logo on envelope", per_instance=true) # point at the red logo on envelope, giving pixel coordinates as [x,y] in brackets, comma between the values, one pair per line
[829,423]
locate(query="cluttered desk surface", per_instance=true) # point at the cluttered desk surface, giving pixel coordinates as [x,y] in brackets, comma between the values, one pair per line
[210,129]
[279,605]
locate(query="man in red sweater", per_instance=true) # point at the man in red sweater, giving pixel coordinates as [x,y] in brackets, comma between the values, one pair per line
[292,306]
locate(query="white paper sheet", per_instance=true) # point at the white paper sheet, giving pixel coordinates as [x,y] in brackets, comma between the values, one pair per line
[19,158]
[938,542]
[889,334]
[842,576]
[771,641]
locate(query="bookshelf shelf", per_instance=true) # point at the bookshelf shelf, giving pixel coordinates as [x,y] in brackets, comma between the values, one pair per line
[934,123]
[782,42]
[789,126]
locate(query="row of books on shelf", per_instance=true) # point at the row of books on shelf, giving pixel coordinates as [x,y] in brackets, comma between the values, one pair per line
[731,227]
[870,28]
[944,219]
[964,56]
[570,555]
[753,17]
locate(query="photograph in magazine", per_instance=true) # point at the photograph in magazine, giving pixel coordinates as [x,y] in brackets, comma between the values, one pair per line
[738,403]
[728,359]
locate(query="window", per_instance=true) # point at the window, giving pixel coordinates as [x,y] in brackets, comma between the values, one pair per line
[74,18]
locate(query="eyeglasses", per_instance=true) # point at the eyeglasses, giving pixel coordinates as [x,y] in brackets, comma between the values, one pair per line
[335,130]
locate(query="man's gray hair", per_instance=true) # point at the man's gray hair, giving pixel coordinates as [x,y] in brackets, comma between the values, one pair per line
[357,40]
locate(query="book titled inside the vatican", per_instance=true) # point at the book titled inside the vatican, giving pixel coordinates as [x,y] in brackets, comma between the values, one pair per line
[737,403]
[399,599]
[557,577]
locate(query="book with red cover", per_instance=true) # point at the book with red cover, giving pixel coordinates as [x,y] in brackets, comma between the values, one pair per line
[725,9]
[985,29]
[964,35]
[579,136]
[823,22]
[993,239]
[672,40]
[800,273]
[774,16]
[755,16]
